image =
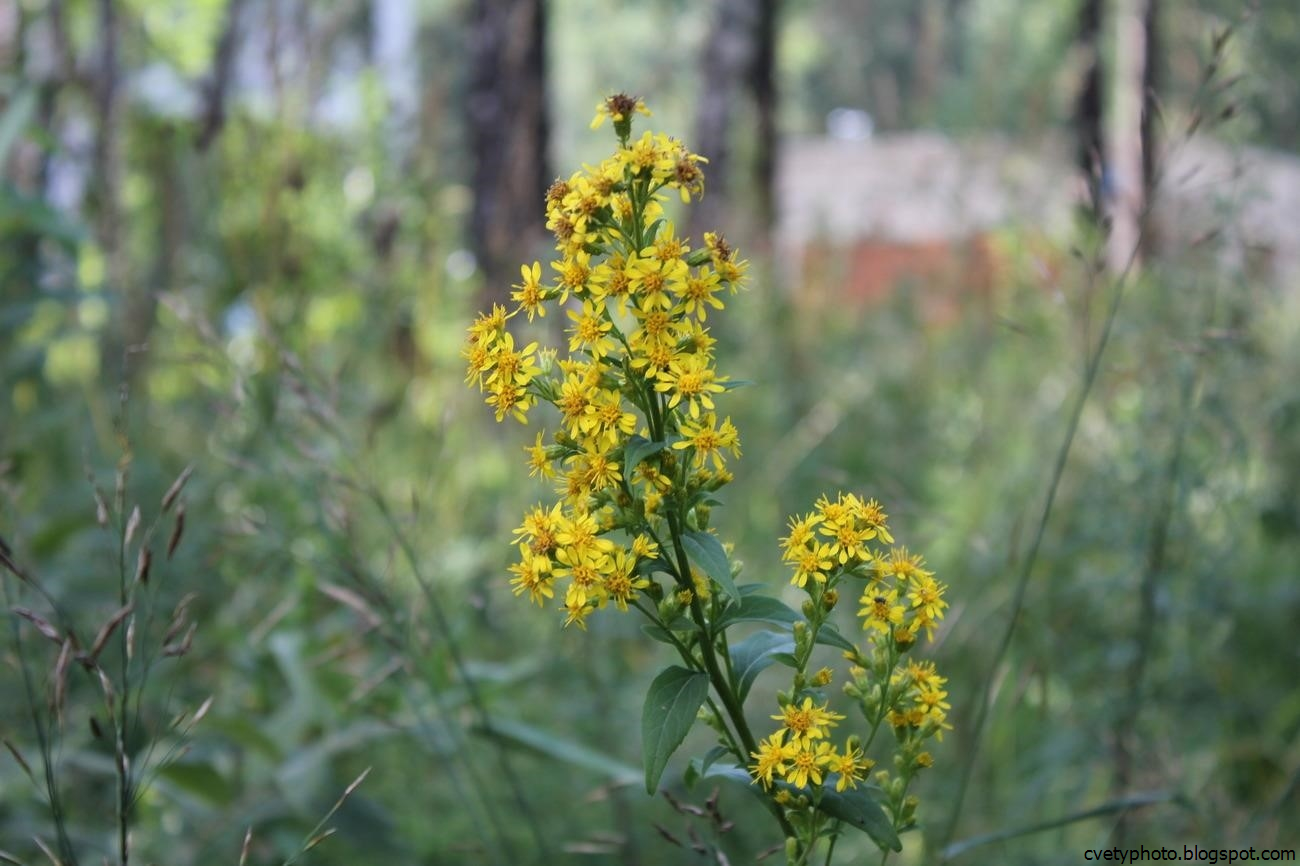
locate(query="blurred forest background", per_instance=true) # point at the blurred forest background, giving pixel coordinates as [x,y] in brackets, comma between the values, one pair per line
[246,236]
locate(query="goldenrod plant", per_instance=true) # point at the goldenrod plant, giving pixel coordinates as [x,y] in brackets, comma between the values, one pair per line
[638,454]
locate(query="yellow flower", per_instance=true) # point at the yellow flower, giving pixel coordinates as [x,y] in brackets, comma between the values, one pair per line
[574,272]
[852,767]
[607,420]
[696,292]
[771,758]
[533,575]
[529,294]
[583,568]
[621,579]
[902,565]
[806,722]
[808,763]
[539,528]
[591,330]
[707,440]
[879,610]
[801,534]
[927,595]
[691,379]
[539,460]
[814,562]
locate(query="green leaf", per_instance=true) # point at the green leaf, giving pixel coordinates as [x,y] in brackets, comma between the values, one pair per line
[674,698]
[754,654]
[706,551]
[696,768]
[758,608]
[859,807]
[829,635]
[637,449]
[567,751]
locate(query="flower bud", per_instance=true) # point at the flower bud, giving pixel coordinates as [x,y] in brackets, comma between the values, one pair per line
[830,598]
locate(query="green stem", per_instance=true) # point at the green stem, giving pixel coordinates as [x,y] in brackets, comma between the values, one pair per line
[735,711]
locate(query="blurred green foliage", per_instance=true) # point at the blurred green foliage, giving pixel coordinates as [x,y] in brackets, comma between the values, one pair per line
[350,512]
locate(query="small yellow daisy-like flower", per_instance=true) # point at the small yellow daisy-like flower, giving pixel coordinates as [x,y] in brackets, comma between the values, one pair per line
[607,419]
[846,541]
[533,575]
[806,722]
[696,290]
[644,547]
[511,399]
[692,380]
[802,532]
[584,569]
[539,529]
[771,758]
[808,764]
[591,330]
[927,595]
[621,580]
[902,565]
[707,440]
[576,613]
[539,461]
[814,561]
[581,532]
[574,272]
[880,610]
[851,766]
[529,294]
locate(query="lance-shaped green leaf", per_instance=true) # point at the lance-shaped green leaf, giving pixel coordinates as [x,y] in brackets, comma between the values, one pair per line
[829,635]
[670,707]
[706,551]
[637,449]
[758,608]
[859,807]
[755,653]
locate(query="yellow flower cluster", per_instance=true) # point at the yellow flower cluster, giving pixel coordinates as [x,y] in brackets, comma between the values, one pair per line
[800,751]
[900,600]
[638,384]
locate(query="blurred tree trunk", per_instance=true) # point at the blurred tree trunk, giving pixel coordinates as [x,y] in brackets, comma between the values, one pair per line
[926,23]
[508,129]
[1089,119]
[1152,81]
[729,54]
[763,83]
[739,54]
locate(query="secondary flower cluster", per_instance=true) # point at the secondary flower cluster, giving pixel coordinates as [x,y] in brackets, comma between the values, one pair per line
[800,751]
[637,386]
[900,600]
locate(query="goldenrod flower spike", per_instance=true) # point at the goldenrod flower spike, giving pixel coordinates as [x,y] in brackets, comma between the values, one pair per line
[638,448]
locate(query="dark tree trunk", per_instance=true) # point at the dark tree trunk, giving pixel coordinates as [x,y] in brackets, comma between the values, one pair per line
[1152,80]
[729,55]
[763,82]
[508,131]
[739,56]
[1089,108]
